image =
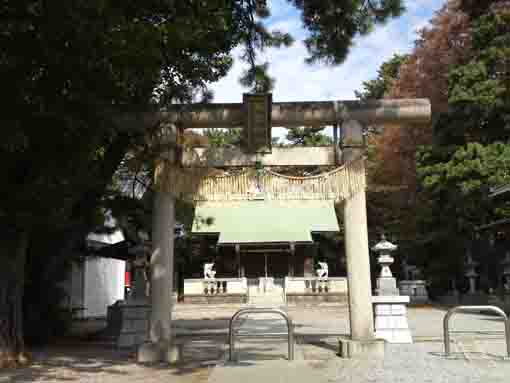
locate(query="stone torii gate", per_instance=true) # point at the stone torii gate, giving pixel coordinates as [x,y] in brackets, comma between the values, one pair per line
[347,117]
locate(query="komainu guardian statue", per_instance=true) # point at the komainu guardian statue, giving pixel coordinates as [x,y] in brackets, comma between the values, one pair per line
[209,273]
[322,271]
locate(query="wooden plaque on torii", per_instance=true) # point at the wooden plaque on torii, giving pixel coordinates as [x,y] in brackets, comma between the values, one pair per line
[257,127]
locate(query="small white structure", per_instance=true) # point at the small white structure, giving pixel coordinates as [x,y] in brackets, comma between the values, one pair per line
[322,271]
[209,273]
[95,284]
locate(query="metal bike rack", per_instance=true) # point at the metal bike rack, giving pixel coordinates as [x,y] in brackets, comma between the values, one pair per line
[254,310]
[457,309]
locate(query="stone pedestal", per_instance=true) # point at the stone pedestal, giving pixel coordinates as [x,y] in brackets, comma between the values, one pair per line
[168,351]
[506,302]
[134,323]
[128,320]
[391,319]
[452,298]
[495,300]
[387,286]
[416,290]
[478,298]
[361,349]
[506,273]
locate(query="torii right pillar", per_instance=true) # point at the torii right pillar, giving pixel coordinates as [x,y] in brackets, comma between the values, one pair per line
[362,342]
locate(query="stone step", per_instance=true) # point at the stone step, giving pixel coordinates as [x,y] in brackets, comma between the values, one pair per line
[266,299]
[275,290]
[266,295]
[269,296]
[273,297]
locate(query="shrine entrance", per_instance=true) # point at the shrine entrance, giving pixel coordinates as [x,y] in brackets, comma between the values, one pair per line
[277,265]
[185,172]
[273,264]
[265,264]
[270,237]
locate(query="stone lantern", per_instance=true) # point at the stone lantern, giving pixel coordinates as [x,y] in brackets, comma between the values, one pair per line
[389,306]
[470,272]
[386,283]
[132,316]
[506,273]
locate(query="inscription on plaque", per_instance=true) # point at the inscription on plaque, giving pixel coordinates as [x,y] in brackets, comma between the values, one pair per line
[257,129]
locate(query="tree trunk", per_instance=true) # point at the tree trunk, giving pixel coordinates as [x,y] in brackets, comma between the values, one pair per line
[12,279]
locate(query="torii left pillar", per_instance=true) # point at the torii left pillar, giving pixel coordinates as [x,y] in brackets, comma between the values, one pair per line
[161,347]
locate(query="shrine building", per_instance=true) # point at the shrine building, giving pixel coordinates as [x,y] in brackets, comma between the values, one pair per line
[270,245]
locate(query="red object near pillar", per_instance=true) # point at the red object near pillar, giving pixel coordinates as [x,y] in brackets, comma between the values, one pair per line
[127,279]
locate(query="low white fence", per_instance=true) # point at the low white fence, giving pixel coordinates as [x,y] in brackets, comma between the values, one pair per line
[315,285]
[216,286]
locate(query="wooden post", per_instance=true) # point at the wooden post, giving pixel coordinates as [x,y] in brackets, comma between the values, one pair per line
[335,142]
[292,258]
[238,257]
[265,264]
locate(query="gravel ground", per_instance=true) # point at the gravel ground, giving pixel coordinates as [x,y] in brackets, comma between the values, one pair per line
[477,356]
[416,363]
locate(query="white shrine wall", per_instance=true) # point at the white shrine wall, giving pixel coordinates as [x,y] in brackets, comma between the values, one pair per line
[94,285]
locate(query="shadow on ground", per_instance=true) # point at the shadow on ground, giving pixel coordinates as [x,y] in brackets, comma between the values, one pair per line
[95,358]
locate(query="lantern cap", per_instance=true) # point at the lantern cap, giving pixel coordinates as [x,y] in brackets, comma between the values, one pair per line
[384,245]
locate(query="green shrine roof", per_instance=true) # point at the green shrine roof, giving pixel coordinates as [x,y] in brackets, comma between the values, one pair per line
[261,221]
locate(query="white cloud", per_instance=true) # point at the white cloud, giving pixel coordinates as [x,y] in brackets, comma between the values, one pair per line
[296,80]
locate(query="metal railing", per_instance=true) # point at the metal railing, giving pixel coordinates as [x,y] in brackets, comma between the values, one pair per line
[493,309]
[261,310]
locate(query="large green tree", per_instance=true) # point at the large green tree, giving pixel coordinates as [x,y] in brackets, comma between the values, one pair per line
[479,91]
[66,68]
[470,152]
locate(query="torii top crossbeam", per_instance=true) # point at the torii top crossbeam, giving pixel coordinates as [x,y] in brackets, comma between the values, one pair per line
[289,114]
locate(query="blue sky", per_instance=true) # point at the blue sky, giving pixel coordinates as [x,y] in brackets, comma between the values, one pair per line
[297,81]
